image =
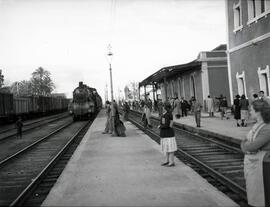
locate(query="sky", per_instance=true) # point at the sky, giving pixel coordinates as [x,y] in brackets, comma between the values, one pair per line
[70,38]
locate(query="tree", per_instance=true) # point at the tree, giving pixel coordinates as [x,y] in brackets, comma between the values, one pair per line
[1,79]
[22,88]
[41,82]
[131,91]
[135,90]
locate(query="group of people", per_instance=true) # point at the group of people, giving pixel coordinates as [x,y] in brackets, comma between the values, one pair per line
[241,107]
[114,125]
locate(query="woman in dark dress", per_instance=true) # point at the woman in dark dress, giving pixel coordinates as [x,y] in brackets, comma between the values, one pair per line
[237,109]
[167,142]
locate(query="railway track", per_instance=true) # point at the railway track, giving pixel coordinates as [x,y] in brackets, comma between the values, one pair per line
[220,163]
[11,131]
[21,173]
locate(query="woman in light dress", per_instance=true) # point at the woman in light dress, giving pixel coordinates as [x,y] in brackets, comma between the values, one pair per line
[255,146]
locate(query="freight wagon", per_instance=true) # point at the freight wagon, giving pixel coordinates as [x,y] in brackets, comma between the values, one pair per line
[6,106]
[29,106]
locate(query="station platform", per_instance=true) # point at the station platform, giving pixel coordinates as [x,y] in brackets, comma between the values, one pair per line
[224,129]
[126,171]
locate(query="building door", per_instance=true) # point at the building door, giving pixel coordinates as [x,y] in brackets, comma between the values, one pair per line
[192,88]
[241,86]
[179,88]
[265,80]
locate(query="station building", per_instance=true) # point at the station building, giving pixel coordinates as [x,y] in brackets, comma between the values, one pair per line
[248,25]
[206,75]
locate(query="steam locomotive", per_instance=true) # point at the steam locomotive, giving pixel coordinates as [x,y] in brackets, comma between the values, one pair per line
[86,102]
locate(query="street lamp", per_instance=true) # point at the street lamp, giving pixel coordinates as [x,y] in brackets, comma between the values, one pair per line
[110,56]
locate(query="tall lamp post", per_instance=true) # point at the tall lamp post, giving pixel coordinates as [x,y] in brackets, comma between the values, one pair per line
[110,56]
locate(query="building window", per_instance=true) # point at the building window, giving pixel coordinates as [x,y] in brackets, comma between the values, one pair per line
[257,9]
[262,6]
[237,15]
[264,80]
[251,9]
[267,5]
[241,83]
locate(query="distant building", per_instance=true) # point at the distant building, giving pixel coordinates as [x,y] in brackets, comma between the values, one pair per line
[248,23]
[207,75]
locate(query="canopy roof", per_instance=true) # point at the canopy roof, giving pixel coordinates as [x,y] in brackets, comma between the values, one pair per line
[170,71]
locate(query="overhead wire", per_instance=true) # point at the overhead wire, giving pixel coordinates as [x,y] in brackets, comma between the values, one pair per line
[112,21]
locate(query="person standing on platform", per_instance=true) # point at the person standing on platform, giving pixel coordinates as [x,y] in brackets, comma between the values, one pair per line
[210,106]
[191,104]
[177,108]
[223,107]
[126,110]
[197,112]
[19,126]
[118,126]
[255,146]
[113,117]
[244,110]
[108,125]
[255,97]
[167,142]
[142,104]
[263,97]
[237,109]
[184,106]
[147,110]
[160,107]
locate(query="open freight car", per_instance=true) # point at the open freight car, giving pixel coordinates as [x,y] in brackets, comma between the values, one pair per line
[6,107]
[29,106]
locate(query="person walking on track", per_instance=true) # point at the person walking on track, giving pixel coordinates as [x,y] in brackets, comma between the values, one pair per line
[19,126]
[168,142]
[255,146]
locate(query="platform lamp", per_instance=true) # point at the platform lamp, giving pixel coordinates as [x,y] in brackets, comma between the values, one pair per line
[109,58]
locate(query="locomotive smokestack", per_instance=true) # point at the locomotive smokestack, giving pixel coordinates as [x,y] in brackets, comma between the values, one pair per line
[80,84]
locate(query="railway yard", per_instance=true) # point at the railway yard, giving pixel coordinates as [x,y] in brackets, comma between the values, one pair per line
[30,166]
[24,161]
[103,103]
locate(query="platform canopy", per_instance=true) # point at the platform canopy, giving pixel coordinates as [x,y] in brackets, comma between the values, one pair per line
[170,71]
